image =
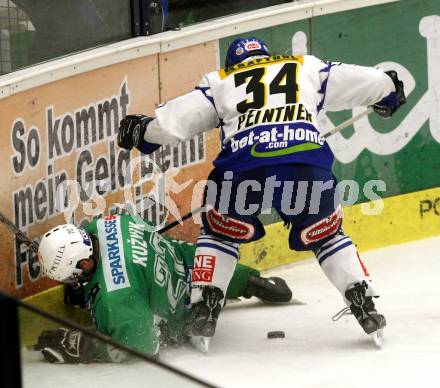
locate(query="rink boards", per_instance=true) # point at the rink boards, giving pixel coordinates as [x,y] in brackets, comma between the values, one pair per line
[404,218]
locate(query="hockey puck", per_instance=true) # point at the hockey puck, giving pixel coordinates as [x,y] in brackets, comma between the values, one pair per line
[276,334]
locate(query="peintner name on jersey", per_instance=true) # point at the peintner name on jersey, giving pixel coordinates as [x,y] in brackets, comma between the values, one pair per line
[281,114]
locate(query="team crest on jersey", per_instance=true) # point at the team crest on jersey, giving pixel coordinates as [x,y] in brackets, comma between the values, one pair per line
[249,46]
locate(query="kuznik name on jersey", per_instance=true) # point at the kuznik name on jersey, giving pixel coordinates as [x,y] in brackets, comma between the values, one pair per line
[112,253]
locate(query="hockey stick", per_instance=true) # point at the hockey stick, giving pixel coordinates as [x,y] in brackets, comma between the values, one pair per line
[180,220]
[348,122]
[21,236]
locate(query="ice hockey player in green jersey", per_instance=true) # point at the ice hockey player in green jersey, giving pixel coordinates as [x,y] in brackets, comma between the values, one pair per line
[137,289]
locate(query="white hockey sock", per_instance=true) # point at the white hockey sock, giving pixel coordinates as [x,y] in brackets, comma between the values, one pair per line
[214,264]
[342,265]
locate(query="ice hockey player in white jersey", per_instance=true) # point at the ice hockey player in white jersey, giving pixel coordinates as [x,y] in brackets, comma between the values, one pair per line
[272,156]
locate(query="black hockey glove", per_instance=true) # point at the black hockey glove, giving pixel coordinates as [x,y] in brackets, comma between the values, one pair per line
[269,290]
[75,295]
[64,346]
[131,133]
[388,105]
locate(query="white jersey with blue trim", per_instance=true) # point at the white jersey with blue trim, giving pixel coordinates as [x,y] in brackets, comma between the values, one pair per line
[266,109]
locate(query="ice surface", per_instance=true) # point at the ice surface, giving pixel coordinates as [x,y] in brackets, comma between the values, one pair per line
[316,351]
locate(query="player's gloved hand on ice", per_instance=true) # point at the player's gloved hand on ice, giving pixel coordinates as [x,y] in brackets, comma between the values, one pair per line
[131,133]
[388,105]
[270,290]
[64,346]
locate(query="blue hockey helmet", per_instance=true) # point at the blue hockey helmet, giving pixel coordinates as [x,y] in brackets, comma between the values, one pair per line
[242,48]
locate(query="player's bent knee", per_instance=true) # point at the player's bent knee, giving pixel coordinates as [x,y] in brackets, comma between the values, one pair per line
[313,236]
[323,229]
[232,229]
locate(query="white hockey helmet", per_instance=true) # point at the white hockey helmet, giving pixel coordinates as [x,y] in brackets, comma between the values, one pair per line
[60,250]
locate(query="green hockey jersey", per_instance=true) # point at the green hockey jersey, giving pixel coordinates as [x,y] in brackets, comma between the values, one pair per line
[142,281]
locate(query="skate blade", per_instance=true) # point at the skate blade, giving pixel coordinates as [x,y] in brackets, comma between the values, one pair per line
[200,343]
[378,338]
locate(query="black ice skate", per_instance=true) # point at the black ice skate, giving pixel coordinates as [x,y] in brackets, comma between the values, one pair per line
[202,318]
[363,308]
[270,290]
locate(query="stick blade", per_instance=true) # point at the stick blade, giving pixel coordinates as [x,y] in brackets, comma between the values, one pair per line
[378,338]
[200,343]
